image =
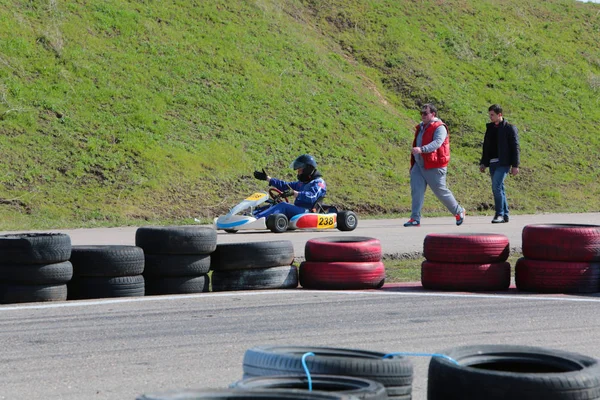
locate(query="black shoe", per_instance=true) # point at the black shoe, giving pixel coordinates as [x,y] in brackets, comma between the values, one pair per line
[506,218]
[498,219]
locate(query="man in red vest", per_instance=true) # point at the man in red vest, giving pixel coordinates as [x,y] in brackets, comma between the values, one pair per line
[429,160]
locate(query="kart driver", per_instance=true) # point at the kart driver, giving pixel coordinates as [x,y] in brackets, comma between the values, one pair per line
[309,188]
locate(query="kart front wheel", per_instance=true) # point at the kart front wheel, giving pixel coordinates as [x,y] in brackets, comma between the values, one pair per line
[277,223]
[346,221]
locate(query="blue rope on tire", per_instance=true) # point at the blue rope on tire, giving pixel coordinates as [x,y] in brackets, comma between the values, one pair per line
[421,355]
[306,369]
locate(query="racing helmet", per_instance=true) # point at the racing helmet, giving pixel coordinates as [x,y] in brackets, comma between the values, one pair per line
[308,165]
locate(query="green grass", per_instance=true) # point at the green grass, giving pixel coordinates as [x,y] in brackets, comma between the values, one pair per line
[137,112]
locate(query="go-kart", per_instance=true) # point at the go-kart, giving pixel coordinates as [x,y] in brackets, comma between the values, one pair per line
[243,216]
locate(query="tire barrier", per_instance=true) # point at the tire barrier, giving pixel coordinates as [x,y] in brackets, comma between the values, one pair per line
[177,258]
[465,262]
[106,271]
[34,267]
[465,277]
[542,276]
[343,248]
[254,266]
[341,275]
[361,388]
[394,373]
[344,262]
[465,248]
[232,394]
[559,258]
[499,372]
[561,242]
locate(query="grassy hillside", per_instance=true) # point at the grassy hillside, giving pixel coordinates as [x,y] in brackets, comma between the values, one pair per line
[129,112]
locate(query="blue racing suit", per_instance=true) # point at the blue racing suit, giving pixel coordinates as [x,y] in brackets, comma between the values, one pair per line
[308,194]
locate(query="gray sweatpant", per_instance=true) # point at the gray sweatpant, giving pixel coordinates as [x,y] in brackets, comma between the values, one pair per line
[436,179]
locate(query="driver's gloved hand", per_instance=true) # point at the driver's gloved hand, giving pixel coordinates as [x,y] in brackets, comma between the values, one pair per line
[287,193]
[260,175]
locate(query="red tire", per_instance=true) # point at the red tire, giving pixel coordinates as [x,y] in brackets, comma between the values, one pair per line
[561,242]
[465,277]
[341,275]
[476,248]
[343,249]
[544,276]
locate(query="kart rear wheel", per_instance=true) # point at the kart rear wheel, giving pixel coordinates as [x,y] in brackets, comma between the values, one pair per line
[231,230]
[277,223]
[346,221]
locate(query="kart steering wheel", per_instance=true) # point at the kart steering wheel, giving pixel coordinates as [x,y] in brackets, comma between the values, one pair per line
[275,194]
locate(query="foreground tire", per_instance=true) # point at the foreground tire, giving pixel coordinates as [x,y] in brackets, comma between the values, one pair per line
[557,276]
[477,248]
[561,242]
[500,372]
[343,248]
[341,275]
[349,385]
[347,221]
[465,277]
[395,373]
[176,239]
[14,293]
[232,394]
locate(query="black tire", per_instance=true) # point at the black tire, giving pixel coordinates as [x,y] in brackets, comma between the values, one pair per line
[108,261]
[35,248]
[392,372]
[13,293]
[37,274]
[466,248]
[499,372]
[343,248]
[177,285]
[252,255]
[277,223]
[230,230]
[347,221]
[351,385]
[99,287]
[176,239]
[176,265]
[285,277]
[233,394]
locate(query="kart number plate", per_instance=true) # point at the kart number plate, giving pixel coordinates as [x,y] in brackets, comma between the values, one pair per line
[326,222]
[255,196]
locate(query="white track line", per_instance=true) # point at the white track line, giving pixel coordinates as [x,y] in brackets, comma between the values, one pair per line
[85,303]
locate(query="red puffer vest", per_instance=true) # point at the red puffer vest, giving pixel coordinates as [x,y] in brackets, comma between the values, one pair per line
[439,158]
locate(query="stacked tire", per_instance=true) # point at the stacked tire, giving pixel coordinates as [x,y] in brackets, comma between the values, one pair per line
[105,271]
[465,262]
[559,258]
[499,372]
[34,267]
[177,258]
[254,266]
[394,372]
[345,262]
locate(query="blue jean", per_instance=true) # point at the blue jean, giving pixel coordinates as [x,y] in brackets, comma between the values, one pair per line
[282,208]
[498,174]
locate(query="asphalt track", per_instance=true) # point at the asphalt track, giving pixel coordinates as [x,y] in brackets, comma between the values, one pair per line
[120,348]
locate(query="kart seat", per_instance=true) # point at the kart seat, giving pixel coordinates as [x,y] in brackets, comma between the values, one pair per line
[320,207]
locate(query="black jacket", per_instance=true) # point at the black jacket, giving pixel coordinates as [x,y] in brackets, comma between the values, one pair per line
[508,144]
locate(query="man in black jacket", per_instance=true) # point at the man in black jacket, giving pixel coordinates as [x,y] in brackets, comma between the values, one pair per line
[500,153]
